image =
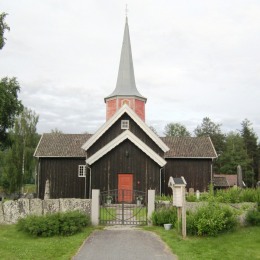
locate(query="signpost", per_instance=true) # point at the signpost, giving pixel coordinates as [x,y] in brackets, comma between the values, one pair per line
[178,192]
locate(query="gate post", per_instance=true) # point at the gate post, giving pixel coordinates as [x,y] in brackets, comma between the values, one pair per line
[95,207]
[151,205]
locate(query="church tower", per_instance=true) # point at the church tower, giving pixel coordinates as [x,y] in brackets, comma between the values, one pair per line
[125,91]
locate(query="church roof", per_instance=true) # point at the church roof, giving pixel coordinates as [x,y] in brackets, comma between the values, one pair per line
[125,85]
[61,145]
[69,145]
[189,147]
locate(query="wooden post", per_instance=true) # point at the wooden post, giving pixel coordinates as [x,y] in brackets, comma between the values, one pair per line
[179,218]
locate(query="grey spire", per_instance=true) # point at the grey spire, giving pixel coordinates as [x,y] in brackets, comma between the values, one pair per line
[125,85]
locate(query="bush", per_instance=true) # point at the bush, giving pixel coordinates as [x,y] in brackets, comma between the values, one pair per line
[253,216]
[164,216]
[64,224]
[210,220]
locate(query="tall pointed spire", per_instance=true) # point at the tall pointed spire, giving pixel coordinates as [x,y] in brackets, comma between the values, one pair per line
[125,91]
[125,85]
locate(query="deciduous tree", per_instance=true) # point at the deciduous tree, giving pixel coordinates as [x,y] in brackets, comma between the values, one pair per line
[3,27]
[19,162]
[176,129]
[10,106]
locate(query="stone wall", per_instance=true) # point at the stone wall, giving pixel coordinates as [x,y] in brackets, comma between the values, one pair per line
[11,211]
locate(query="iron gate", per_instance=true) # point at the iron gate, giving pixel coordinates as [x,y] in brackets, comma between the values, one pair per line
[123,207]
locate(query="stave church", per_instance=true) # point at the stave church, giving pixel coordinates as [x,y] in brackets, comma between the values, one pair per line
[124,153]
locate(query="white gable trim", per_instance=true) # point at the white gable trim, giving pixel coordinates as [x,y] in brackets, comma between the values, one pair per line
[126,135]
[125,109]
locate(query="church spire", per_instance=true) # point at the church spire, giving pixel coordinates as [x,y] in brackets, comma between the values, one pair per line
[125,91]
[125,85]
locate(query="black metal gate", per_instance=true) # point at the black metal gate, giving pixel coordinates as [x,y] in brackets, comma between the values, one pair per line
[123,207]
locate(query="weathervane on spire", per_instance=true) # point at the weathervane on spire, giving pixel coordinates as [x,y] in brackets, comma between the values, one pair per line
[126,10]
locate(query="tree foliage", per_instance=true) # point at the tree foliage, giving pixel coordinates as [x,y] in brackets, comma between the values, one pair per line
[213,130]
[3,27]
[176,129]
[10,106]
[56,131]
[250,141]
[234,154]
[19,164]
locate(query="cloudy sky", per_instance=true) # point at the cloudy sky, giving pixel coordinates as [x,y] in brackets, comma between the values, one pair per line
[192,59]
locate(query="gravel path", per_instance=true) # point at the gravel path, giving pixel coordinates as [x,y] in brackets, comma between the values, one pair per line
[124,243]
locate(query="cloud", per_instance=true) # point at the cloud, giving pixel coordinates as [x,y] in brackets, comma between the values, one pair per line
[192,59]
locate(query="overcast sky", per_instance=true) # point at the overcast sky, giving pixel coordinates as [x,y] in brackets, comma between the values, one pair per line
[192,59]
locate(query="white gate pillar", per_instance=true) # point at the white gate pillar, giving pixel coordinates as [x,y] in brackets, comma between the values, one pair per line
[95,207]
[151,205]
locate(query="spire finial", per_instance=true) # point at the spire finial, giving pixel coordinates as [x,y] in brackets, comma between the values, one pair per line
[126,10]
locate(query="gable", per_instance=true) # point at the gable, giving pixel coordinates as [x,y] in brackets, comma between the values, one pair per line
[125,109]
[126,135]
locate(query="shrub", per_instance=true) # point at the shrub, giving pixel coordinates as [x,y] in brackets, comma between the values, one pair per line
[64,224]
[163,198]
[164,216]
[253,216]
[210,220]
[191,198]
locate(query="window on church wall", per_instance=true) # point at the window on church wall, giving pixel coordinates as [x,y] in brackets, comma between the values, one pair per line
[82,171]
[124,124]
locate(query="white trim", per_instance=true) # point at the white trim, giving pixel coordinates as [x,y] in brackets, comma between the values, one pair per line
[119,139]
[38,147]
[125,109]
[213,148]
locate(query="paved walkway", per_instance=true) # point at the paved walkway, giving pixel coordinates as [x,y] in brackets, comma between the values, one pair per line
[116,243]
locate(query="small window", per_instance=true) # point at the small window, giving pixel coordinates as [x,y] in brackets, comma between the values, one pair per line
[124,124]
[82,171]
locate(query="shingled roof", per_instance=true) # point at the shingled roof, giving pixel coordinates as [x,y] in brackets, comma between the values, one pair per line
[69,145]
[61,145]
[189,147]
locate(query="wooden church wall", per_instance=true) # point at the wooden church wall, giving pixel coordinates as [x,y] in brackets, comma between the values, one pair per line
[116,130]
[63,176]
[125,158]
[196,172]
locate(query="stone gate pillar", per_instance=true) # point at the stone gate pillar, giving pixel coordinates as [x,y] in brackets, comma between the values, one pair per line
[95,207]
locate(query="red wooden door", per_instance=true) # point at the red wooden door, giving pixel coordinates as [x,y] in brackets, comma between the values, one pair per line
[125,187]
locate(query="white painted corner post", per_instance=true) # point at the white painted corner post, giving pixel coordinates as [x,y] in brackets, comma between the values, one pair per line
[95,207]
[151,205]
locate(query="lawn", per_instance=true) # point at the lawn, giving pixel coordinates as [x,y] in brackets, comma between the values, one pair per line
[18,245]
[241,244]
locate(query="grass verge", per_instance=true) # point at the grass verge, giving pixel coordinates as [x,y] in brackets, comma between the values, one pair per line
[240,244]
[18,245]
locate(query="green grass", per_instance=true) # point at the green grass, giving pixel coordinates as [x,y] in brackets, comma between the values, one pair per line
[29,188]
[240,244]
[107,213]
[140,213]
[18,245]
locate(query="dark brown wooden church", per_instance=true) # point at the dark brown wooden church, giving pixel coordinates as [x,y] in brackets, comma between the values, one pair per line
[124,153]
